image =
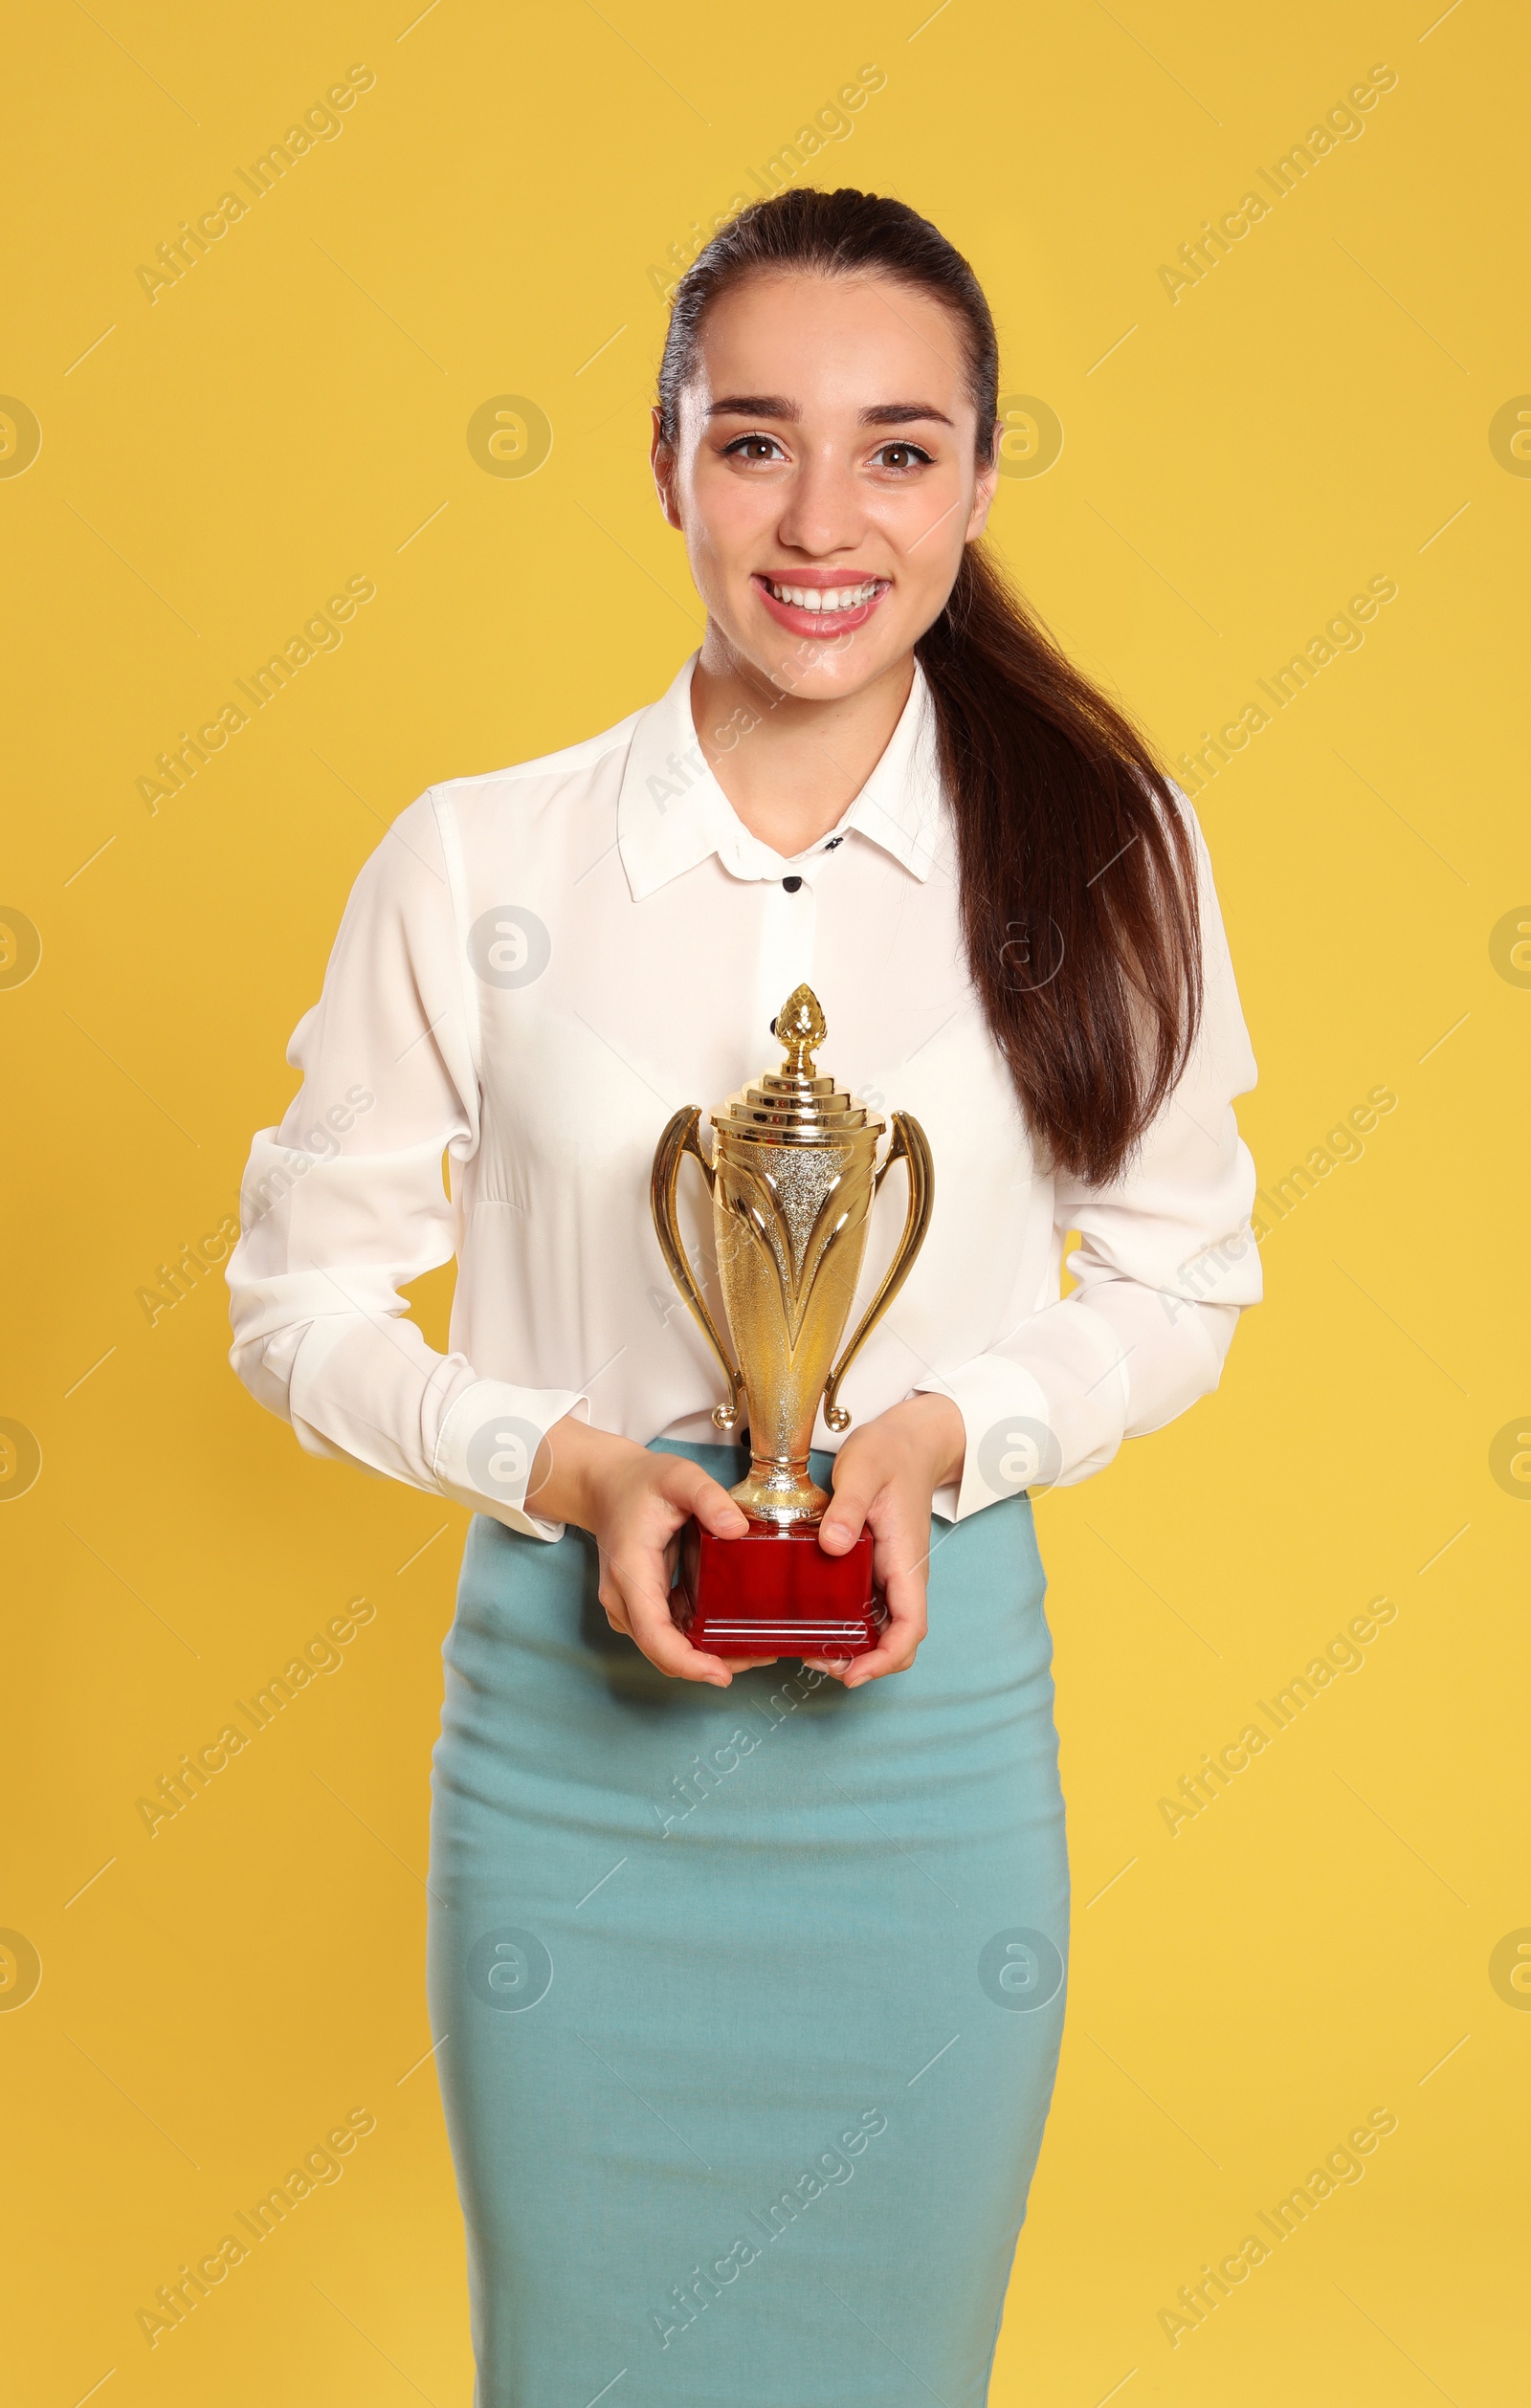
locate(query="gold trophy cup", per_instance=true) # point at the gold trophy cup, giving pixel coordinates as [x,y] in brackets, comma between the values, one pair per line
[793,1177]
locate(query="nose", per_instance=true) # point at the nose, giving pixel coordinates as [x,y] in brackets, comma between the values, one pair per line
[822,511]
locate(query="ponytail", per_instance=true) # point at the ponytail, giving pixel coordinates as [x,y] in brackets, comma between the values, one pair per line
[1076,868]
[1077,875]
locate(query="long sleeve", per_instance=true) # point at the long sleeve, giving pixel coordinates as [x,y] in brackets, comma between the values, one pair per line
[345,1203]
[1166,1261]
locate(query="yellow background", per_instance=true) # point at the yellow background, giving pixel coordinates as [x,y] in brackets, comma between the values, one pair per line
[1236,463]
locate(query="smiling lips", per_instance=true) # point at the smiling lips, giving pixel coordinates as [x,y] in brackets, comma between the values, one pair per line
[809,607]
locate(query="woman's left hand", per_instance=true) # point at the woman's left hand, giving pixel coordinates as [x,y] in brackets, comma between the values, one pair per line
[884,1478]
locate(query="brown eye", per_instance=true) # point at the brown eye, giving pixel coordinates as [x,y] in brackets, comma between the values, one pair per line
[752,447]
[901,456]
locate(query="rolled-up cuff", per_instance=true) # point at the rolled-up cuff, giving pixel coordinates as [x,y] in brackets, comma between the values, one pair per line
[1046,1423]
[1009,1440]
[486,1449]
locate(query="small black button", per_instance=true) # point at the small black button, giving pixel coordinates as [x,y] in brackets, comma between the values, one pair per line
[833,841]
[791,885]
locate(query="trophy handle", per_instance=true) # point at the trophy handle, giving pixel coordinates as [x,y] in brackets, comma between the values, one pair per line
[912,1146]
[677,1141]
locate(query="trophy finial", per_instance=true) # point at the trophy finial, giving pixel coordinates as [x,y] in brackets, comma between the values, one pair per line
[800,1027]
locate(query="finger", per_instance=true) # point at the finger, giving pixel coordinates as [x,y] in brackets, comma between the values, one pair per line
[835,1666]
[711,1503]
[651,1627]
[610,1597]
[895,1652]
[905,1626]
[723,1517]
[900,1567]
[845,1516]
[617,1614]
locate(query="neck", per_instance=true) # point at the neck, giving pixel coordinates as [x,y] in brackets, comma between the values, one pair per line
[789,766]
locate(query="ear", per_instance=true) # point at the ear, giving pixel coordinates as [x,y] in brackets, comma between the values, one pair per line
[985,487]
[662,462]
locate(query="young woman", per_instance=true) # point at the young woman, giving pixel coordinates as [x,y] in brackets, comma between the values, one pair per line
[748,1979]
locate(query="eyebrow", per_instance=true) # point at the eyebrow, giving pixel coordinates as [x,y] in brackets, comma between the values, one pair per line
[777,405]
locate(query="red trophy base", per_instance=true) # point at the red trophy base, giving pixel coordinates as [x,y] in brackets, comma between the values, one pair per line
[775,1592]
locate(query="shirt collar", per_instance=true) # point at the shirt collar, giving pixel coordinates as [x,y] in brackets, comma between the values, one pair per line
[673,814]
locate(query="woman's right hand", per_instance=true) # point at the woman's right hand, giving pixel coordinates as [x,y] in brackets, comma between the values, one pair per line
[634,1505]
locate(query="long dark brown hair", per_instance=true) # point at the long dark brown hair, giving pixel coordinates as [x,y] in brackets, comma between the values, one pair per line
[1076,869]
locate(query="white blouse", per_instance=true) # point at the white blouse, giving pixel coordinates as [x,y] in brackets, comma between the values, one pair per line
[536,968]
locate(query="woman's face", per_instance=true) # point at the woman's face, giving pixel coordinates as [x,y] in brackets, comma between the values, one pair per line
[825,476]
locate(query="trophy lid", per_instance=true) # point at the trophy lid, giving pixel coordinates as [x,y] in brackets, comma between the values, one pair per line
[795,1105]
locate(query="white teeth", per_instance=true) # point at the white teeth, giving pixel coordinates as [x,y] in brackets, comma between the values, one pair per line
[825,597]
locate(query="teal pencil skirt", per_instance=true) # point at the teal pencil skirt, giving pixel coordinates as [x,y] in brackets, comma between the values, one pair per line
[749,2001]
